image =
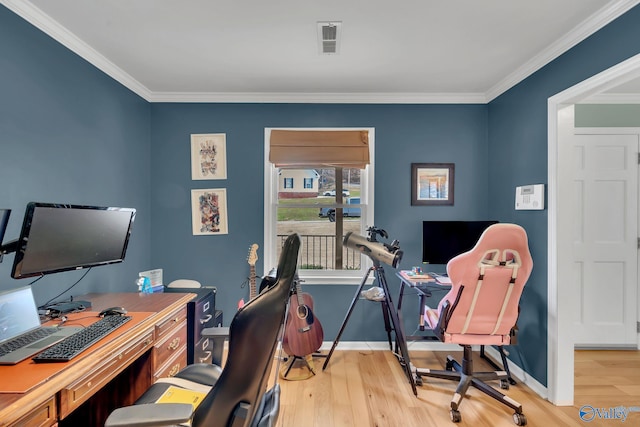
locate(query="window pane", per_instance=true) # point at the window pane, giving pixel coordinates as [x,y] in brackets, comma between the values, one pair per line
[350,182]
[313,213]
[308,183]
[318,234]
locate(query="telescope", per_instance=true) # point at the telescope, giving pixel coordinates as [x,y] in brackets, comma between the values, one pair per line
[389,254]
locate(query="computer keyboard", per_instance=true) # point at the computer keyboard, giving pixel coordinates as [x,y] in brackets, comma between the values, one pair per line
[75,344]
[24,340]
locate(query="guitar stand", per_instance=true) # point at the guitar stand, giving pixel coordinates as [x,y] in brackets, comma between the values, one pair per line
[308,360]
[391,321]
[293,361]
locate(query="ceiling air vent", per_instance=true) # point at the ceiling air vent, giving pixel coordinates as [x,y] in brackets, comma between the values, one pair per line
[328,37]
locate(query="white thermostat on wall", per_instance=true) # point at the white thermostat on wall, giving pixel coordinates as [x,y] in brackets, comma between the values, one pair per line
[530,197]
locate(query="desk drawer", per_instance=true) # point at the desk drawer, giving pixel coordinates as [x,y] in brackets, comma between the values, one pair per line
[172,343]
[203,350]
[166,327]
[43,416]
[203,316]
[173,365]
[76,393]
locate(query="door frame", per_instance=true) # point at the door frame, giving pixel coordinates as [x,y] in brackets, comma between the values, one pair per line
[560,308]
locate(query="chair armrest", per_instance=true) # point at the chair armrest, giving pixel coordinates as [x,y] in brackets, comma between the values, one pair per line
[150,415]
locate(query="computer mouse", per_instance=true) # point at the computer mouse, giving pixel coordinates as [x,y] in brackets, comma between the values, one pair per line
[113,311]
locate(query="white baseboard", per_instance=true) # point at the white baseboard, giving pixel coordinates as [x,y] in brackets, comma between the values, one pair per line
[383,345]
[517,372]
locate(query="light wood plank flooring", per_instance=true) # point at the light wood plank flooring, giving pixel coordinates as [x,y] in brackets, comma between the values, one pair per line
[368,388]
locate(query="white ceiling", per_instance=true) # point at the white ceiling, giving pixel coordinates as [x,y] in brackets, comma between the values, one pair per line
[267,51]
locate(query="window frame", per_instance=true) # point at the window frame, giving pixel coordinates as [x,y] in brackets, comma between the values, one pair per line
[315,277]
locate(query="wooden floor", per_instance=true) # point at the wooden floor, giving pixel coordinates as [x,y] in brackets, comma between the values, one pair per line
[369,388]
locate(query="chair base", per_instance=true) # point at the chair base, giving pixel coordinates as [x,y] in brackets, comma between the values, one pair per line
[466,377]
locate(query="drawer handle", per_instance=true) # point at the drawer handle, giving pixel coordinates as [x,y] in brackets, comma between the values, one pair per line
[206,319]
[174,370]
[206,358]
[174,344]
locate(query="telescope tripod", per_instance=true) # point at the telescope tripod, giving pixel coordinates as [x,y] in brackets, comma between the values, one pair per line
[389,313]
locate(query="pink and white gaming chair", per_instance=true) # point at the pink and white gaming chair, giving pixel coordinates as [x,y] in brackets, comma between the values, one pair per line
[482,308]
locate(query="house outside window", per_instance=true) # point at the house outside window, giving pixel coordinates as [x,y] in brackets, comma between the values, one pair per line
[288,183]
[331,202]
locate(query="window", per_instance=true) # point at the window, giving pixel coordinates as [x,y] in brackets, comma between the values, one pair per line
[288,183]
[339,201]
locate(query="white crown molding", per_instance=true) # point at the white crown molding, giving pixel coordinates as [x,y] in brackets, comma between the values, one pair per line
[322,98]
[595,22]
[613,98]
[27,11]
[43,22]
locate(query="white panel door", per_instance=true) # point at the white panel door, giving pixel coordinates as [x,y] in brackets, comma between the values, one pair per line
[605,233]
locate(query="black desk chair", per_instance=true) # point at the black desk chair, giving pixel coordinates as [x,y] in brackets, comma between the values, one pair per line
[237,391]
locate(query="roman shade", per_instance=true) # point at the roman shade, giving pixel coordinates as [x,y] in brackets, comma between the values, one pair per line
[303,148]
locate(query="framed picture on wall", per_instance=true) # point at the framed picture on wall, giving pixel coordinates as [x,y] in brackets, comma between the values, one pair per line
[432,183]
[209,211]
[209,156]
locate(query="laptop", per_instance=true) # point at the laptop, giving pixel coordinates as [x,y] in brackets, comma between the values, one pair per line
[19,320]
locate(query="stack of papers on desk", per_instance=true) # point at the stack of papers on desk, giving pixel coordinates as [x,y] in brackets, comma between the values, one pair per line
[422,277]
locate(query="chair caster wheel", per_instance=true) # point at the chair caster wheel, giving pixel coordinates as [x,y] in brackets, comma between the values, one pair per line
[455,416]
[449,365]
[419,381]
[504,384]
[519,419]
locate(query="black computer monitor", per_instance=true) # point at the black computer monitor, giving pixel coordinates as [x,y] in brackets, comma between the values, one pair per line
[60,237]
[443,240]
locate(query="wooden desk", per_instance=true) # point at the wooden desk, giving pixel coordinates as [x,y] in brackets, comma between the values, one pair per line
[113,372]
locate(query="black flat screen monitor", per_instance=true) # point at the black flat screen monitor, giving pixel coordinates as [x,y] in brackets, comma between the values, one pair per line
[443,240]
[58,237]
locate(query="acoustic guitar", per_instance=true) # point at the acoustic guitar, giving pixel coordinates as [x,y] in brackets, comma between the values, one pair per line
[252,258]
[303,333]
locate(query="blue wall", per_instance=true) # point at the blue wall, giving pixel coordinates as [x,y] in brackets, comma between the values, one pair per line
[403,134]
[518,147]
[69,134]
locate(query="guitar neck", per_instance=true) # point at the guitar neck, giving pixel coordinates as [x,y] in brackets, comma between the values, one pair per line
[299,292]
[253,292]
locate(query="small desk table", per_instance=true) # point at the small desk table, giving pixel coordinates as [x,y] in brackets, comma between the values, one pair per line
[424,288]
